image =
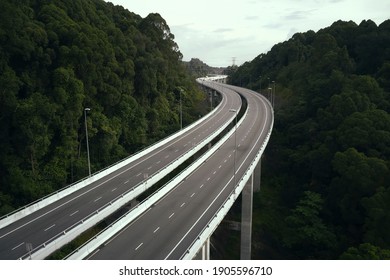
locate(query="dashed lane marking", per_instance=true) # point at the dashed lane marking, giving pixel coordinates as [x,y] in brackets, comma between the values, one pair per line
[74,213]
[50,227]
[16,247]
[139,246]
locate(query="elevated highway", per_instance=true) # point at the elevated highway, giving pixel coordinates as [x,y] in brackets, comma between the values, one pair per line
[180,223]
[45,226]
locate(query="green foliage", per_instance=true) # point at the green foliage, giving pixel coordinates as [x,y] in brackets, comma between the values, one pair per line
[377,222]
[329,151]
[59,57]
[307,235]
[366,251]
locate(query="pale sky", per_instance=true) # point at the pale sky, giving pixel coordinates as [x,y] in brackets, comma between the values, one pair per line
[215,31]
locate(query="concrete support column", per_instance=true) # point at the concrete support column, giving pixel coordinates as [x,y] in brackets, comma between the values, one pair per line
[257,179]
[246,220]
[206,250]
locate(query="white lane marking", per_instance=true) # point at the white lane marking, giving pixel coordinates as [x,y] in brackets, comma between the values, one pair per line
[200,217]
[97,199]
[74,213]
[171,215]
[220,167]
[114,189]
[225,161]
[201,186]
[158,162]
[214,172]
[156,229]
[139,174]
[167,156]
[139,246]
[50,227]
[17,246]
[192,194]
[208,179]
[126,182]
[181,206]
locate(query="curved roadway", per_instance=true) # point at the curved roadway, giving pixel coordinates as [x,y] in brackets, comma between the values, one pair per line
[43,225]
[168,229]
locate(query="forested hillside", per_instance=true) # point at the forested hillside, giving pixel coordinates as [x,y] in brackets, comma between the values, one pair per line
[58,58]
[326,179]
[200,69]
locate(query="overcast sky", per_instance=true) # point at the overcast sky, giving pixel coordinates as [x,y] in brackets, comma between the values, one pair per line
[215,31]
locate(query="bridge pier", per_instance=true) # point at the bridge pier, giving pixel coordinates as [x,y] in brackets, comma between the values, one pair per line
[257,178]
[246,219]
[206,250]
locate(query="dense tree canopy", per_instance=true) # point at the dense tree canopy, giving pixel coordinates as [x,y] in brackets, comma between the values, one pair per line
[329,156]
[59,57]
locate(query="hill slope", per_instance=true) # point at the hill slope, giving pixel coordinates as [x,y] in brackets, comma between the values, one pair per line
[59,57]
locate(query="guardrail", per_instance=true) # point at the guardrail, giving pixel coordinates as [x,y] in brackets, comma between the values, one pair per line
[207,231]
[76,229]
[130,216]
[53,197]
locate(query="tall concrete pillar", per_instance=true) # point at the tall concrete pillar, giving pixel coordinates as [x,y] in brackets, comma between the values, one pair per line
[257,179]
[246,220]
[206,250]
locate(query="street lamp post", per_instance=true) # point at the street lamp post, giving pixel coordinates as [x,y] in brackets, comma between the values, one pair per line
[260,84]
[273,94]
[181,112]
[235,145]
[270,95]
[86,135]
